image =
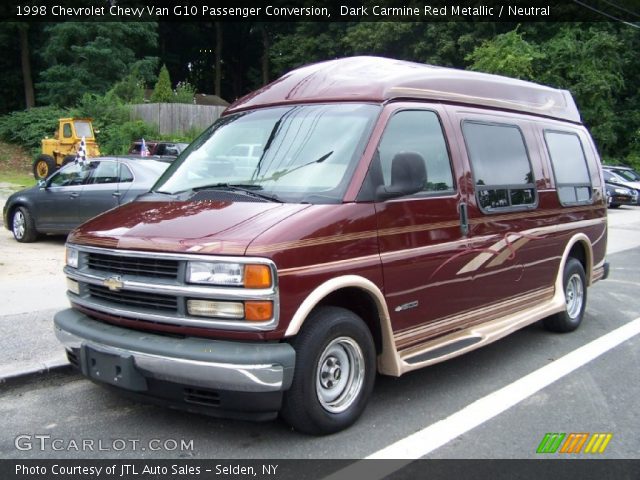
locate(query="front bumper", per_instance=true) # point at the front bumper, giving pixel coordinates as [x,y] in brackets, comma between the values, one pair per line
[618,199]
[152,365]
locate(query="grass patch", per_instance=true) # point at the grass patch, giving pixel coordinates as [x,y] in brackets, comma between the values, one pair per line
[17,178]
[15,166]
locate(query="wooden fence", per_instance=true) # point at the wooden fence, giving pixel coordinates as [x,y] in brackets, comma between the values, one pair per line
[176,118]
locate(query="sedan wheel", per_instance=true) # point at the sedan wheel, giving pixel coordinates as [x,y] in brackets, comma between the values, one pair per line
[22,226]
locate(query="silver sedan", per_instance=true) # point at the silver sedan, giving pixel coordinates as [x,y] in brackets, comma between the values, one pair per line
[78,192]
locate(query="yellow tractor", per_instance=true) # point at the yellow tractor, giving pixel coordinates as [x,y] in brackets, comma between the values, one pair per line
[62,149]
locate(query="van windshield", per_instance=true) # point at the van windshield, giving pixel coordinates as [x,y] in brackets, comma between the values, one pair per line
[302,153]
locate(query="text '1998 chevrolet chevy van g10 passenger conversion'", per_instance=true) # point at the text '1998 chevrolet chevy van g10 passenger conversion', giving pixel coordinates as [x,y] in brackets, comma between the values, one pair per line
[391,216]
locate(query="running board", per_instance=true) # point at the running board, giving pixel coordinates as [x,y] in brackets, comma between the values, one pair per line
[444,350]
[454,344]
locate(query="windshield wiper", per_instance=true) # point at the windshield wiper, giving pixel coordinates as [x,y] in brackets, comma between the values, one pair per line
[247,189]
[278,175]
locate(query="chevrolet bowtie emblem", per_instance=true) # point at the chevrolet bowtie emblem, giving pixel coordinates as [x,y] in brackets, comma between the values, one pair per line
[113,283]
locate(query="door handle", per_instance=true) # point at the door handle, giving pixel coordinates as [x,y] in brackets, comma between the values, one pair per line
[464,219]
[116,194]
[74,195]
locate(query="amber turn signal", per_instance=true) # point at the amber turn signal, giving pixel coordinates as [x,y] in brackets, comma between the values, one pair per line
[257,276]
[258,311]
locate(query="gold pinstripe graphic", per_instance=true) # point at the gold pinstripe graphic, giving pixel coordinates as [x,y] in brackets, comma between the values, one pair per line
[351,262]
[409,337]
[238,249]
[472,277]
[497,248]
[312,242]
[502,257]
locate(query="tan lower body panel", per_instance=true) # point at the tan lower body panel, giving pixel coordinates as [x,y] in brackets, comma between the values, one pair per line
[473,333]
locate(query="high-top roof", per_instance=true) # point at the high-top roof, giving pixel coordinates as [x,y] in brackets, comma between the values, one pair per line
[381,79]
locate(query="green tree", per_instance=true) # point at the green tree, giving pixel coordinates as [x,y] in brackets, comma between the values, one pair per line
[89,57]
[130,89]
[589,62]
[162,93]
[506,54]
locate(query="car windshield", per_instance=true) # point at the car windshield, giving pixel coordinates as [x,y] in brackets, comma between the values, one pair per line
[303,153]
[629,175]
[83,129]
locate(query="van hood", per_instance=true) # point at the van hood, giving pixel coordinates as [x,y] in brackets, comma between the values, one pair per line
[211,227]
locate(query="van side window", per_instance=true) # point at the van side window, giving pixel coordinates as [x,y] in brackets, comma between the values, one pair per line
[501,167]
[573,181]
[418,132]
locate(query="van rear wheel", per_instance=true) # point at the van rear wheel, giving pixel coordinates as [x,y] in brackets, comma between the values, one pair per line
[334,373]
[575,293]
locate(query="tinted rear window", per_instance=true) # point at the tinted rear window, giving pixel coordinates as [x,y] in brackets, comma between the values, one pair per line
[500,163]
[569,167]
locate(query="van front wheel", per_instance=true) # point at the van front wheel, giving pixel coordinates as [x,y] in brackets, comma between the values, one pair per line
[334,372]
[575,294]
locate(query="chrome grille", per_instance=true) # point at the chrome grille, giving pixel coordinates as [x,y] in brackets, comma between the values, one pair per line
[153,301]
[151,287]
[148,267]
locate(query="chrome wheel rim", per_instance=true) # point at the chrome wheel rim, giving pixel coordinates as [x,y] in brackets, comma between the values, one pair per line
[574,296]
[340,374]
[18,224]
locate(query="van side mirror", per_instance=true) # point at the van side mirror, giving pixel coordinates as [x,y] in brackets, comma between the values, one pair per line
[42,183]
[384,192]
[408,176]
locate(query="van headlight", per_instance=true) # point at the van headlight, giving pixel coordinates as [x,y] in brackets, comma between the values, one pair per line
[71,257]
[229,274]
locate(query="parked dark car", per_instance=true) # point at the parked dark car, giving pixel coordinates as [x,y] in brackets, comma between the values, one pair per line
[623,177]
[158,148]
[76,193]
[618,195]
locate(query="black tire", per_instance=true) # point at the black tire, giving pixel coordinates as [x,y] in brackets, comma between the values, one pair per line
[68,159]
[321,399]
[23,226]
[44,166]
[575,291]
[614,205]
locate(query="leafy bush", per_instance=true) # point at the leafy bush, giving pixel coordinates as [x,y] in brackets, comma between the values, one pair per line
[162,91]
[28,127]
[130,89]
[121,135]
[111,119]
[184,93]
[633,160]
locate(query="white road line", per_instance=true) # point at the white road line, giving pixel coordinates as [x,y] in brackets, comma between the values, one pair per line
[434,436]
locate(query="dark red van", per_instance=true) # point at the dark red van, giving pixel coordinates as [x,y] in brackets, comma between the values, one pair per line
[391,216]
